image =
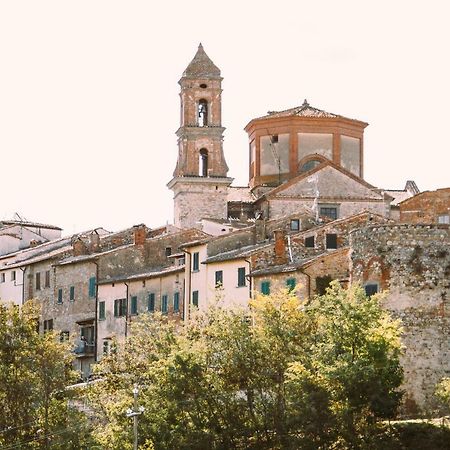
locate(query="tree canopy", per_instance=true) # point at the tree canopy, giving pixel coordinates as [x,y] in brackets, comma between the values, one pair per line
[283,374]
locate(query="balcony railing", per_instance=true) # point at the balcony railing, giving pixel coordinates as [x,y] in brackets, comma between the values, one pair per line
[84,348]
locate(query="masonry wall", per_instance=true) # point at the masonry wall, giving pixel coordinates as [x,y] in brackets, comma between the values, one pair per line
[426,207]
[413,263]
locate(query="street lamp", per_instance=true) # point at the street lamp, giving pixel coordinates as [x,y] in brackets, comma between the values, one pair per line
[134,413]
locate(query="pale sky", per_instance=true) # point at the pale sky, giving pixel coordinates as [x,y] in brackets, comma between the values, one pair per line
[89,89]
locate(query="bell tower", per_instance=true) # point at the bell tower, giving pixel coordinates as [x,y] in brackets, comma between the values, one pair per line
[200,183]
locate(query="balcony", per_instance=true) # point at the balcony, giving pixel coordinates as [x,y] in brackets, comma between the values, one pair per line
[84,348]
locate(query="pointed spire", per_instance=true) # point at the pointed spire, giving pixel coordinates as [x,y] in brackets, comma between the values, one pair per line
[201,66]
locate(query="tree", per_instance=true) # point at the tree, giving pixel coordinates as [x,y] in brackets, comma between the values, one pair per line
[34,372]
[285,374]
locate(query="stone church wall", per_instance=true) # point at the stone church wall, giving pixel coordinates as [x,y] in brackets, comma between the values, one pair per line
[413,263]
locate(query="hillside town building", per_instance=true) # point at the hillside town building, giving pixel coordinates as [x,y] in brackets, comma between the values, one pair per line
[306,217]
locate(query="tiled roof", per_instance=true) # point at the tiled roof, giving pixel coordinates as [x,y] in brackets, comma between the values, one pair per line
[305,110]
[201,66]
[29,224]
[144,275]
[237,253]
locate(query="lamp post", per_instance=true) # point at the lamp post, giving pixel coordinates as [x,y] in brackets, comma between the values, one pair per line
[134,413]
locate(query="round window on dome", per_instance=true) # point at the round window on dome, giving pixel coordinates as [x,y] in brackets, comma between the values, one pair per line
[309,165]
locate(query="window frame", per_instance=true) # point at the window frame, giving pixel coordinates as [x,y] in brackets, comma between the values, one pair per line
[218,277]
[176,302]
[265,287]
[133,305]
[195,297]
[102,310]
[195,262]
[241,281]
[151,302]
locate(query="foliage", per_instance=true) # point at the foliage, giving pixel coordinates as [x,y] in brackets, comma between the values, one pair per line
[34,371]
[286,374]
[443,391]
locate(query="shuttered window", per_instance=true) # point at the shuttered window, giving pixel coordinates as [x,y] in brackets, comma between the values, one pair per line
[151,302]
[265,287]
[92,282]
[176,302]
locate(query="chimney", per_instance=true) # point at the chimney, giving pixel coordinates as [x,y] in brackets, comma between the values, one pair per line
[79,247]
[260,231]
[140,234]
[34,243]
[94,242]
[280,247]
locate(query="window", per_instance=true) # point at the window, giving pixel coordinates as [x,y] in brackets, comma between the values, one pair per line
[274,139]
[241,276]
[309,242]
[48,325]
[120,307]
[105,347]
[176,302]
[101,311]
[203,163]
[168,251]
[331,241]
[309,165]
[151,302]
[92,282]
[134,305]
[164,305]
[38,281]
[2,277]
[64,336]
[195,298]
[329,211]
[295,224]
[265,287]
[72,293]
[202,113]
[195,262]
[60,295]
[13,275]
[322,284]
[444,218]
[47,278]
[371,289]
[219,278]
[291,283]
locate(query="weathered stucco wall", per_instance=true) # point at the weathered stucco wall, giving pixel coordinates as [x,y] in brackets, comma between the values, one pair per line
[413,263]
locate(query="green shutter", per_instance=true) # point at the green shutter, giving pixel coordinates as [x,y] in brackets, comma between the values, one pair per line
[151,302]
[101,310]
[195,298]
[164,307]
[291,283]
[176,302]
[265,287]
[116,308]
[72,293]
[60,295]
[133,305]
[92,282]
[241,276]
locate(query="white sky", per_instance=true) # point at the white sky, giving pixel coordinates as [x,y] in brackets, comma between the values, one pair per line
[89,94]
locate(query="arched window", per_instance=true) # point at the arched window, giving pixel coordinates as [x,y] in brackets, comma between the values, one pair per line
[203,163]
[309,165]
[202,113]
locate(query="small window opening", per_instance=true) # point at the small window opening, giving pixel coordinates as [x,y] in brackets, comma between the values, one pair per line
[331,241]
[309,242]
[168,251]
[203,163]
[295,224]
[203,86]
[371,289]
[202,113]
[274,139]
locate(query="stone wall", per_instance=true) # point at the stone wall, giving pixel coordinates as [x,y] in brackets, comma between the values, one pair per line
[413,263]
[426,207]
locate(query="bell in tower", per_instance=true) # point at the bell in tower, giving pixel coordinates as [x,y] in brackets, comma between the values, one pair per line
[200,181]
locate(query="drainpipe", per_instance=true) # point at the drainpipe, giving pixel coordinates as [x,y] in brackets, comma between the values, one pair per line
[187,298]
[126,312]
[23,283]
[96,312]
[249,278]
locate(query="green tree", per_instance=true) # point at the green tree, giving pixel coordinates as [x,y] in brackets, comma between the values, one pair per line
[34,372]
[284,375]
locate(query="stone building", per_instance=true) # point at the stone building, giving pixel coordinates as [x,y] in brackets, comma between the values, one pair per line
[411,262]
[302,157]
[427,207]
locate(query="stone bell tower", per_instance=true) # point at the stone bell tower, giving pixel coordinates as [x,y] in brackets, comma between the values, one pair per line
[200,183]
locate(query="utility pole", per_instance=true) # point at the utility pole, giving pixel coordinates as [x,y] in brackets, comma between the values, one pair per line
[134,413]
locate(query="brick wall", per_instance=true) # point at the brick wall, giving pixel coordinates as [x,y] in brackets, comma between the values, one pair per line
[425,207]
